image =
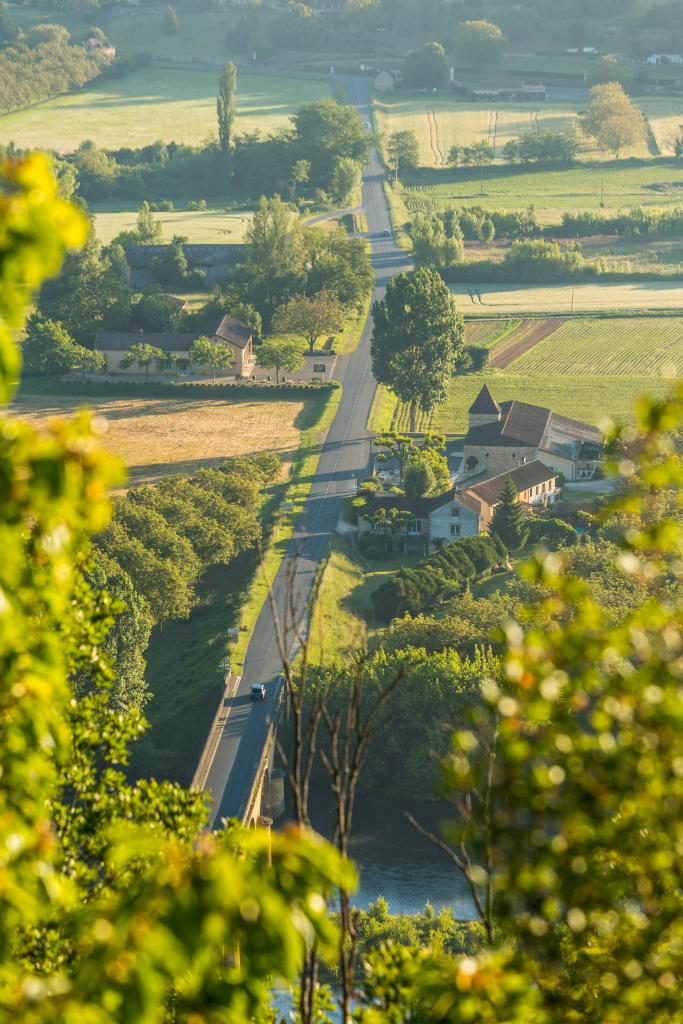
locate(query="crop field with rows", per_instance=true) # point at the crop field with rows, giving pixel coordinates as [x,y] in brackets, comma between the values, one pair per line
[638,347]
[589,369]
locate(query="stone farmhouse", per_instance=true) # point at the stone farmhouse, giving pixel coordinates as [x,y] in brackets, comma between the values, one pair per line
[527,444]
[503,436]
[463,511]
[115,345]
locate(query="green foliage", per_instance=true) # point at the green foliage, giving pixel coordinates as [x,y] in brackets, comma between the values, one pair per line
[438,579]
[148,230]
[226,107]
[310,316]
[90,294]
[48,349]
[107,887]
[280,354]
[469,623]
[403,151]
[143,355]
[47,67]
[542,147]
[612,119]
[426,472]
[426,68]
[326,132]
[417,342]
[580,742]
[212,355]
[432,246]
[551,533]
[510,521]
[478,43]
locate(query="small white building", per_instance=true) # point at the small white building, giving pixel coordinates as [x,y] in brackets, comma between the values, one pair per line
[665,58]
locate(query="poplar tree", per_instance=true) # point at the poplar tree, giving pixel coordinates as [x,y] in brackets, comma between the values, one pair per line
[226,107]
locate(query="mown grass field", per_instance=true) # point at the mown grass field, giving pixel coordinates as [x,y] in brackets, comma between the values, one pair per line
[562,299]
[587,369]
[214,225]
[172,104]
[440,121]
[606,186]
[158,436]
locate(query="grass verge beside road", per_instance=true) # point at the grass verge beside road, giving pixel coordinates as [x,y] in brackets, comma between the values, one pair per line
[295,496]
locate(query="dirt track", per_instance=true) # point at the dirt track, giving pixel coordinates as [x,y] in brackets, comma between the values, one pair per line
[528,334]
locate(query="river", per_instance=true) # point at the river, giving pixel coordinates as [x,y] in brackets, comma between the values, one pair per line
[393,860]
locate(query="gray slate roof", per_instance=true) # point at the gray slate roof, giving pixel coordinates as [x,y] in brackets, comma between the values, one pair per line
[234,331]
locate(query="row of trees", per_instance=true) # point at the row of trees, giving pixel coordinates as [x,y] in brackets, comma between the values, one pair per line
[166,535]
[41,64]
[320,156]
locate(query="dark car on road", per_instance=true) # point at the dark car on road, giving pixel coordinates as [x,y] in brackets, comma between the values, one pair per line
[258,692]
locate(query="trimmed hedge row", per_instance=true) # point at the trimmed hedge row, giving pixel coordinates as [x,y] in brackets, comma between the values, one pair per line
[442,575]
[151,390]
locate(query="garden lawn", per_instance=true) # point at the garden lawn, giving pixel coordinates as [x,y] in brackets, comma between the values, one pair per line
[159,436]
[610,185]
[172,104]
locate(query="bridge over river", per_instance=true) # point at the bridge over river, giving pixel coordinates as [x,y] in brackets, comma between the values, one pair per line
[237,760]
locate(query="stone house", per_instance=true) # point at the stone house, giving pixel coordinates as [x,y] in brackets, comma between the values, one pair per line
[503,436]
[463,511]
[115,345]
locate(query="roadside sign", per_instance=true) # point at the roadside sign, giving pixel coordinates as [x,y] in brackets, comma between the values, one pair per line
[319,367]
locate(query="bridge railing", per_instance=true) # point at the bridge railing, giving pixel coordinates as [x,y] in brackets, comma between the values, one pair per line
[262,767]
[209,752]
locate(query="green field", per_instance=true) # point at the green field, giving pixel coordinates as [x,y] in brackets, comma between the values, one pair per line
[209,226]
[172,104]
[594,186]
[610,348]
[583,298]
[439,122]
[588,369]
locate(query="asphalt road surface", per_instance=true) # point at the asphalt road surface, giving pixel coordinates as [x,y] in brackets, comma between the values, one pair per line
[344,459]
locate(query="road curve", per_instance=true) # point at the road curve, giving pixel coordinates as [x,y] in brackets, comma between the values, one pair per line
[344,459]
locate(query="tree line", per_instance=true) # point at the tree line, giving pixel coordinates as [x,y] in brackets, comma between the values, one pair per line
[161,539]
[41,63]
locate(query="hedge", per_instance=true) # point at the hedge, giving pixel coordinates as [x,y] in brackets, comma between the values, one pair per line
[442,575]
[126,389]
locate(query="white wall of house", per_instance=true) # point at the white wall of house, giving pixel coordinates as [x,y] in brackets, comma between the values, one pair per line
[452,522]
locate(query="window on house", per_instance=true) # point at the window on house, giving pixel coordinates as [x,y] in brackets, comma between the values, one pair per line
[455,529]
[455,512]
[375,527]
[514,455]
[414,527]
[486,455]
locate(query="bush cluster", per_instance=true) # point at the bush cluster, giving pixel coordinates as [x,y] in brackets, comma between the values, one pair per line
[442,575]
[43,65]
[636,223]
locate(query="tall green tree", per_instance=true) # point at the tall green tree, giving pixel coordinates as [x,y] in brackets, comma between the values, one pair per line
[49,349]
[327,132]
[211,355]
[143,354]
[403,152]
[426,68]
[510,521]
[280,354]
[148,229]
[274,265]
[613,120]
[417,341]
[310,316]
[226,107]
[478,43]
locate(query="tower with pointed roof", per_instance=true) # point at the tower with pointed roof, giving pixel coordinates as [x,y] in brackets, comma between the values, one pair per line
[484,409]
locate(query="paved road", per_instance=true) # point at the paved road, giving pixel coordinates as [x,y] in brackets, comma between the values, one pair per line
[345,458]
